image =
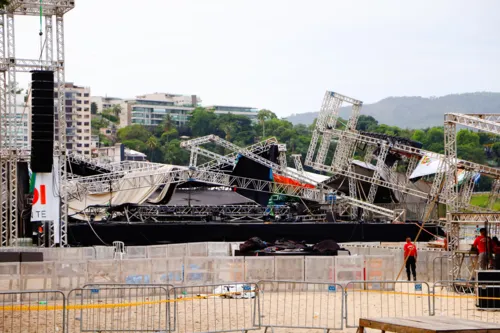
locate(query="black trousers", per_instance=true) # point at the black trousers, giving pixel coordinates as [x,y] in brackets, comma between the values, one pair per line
[411,263]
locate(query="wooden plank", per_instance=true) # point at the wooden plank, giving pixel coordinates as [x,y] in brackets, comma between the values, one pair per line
[393,327]
[461,322]
[429,324]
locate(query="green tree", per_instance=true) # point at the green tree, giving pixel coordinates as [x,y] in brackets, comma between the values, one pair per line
[264,115]
[4,3]
[202,122]
[117,110]
[133,132]
[152,145]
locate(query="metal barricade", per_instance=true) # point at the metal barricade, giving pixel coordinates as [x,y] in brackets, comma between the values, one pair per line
[443,273]
[473,300]
[32,311]
[215,308]
[117,308]
[386,299]
[301,305]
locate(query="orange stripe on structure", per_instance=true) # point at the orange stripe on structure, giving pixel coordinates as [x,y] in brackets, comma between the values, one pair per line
[289,181]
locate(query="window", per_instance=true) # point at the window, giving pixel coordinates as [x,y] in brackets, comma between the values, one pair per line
[86,123]
[86,138]
[78,123]
[86,145]
[78,101]
[86,95]
[85,102]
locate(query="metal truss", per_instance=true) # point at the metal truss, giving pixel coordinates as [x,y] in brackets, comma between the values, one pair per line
[226,212]
[326,122]
[249,154]
[454,221]
[484,122]
[382,155]
[298,164]
[353,193]
[495,192]
[282,159]
[9,66]
[230,159]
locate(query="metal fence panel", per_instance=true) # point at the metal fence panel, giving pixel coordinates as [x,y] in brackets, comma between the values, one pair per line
[32,311]
[289,268]
[379,268]
[197,249]
[104,271]
[118,308]
[471,300]
[349,268]
[386,299]
[259,268]
[37,275]
[134,271]
[216,308]
[10,276]
[177,250]
[440,270]
[70,275]
[301,305]
[320,269]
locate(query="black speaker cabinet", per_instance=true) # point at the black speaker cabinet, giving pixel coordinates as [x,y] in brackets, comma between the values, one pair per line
[42,120]
[489,297]
[489,277]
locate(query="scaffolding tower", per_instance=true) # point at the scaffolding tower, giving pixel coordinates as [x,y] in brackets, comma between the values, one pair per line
[10,155]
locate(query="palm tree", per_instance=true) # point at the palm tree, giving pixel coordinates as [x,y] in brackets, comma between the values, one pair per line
[152,144]
[262,116]
[168,123]
[117,110]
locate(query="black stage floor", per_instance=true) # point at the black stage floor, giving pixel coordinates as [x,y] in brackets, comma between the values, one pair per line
[80,234]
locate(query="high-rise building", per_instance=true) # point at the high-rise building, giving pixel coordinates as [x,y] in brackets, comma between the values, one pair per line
[152,109]
[78,127]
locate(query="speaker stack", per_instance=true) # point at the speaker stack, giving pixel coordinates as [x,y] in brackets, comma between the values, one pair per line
[42,121]
[488,289]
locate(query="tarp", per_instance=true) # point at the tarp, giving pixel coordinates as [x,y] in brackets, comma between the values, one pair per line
[128,194]
[428,165]
[289,181]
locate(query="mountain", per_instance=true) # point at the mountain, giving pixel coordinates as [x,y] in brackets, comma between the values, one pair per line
[417,112]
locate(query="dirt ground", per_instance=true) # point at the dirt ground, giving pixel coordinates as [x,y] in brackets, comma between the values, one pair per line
[318,307]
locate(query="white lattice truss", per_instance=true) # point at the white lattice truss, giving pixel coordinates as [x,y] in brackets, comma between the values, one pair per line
[9,65]
[158,213]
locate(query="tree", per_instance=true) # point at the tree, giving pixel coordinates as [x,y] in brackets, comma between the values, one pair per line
[4,3]
[117,110]
[152,145]
[262,116]
[366,123]
[133,132]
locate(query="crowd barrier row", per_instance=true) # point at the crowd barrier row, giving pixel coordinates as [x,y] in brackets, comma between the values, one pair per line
[194,271]
[241,307]
[205,270]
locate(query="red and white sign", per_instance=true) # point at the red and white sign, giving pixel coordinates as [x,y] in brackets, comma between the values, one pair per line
[45,201]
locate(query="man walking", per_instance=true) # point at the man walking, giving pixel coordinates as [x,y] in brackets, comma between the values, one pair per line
[483,246]
[410,256]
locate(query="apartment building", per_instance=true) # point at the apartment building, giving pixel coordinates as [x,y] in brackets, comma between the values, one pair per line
[78,116]
[151,109]
[236,110]
[103,103]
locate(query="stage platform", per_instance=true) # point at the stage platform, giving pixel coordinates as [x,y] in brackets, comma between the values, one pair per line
[80,234]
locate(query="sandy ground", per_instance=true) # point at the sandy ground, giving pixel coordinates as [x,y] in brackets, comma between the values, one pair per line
[287,305]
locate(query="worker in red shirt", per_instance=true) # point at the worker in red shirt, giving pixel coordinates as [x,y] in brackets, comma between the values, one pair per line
[483,246]
[410,256]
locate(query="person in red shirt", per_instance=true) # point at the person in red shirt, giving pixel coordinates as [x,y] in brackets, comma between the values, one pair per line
[483,246]
[410,256]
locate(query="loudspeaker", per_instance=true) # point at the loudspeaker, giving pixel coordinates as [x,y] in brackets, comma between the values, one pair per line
[489,297]
[42,120]
[488,277]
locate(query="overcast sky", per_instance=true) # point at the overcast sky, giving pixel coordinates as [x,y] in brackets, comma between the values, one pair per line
[278,54]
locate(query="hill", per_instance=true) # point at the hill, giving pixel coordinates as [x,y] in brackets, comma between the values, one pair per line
[417,112]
